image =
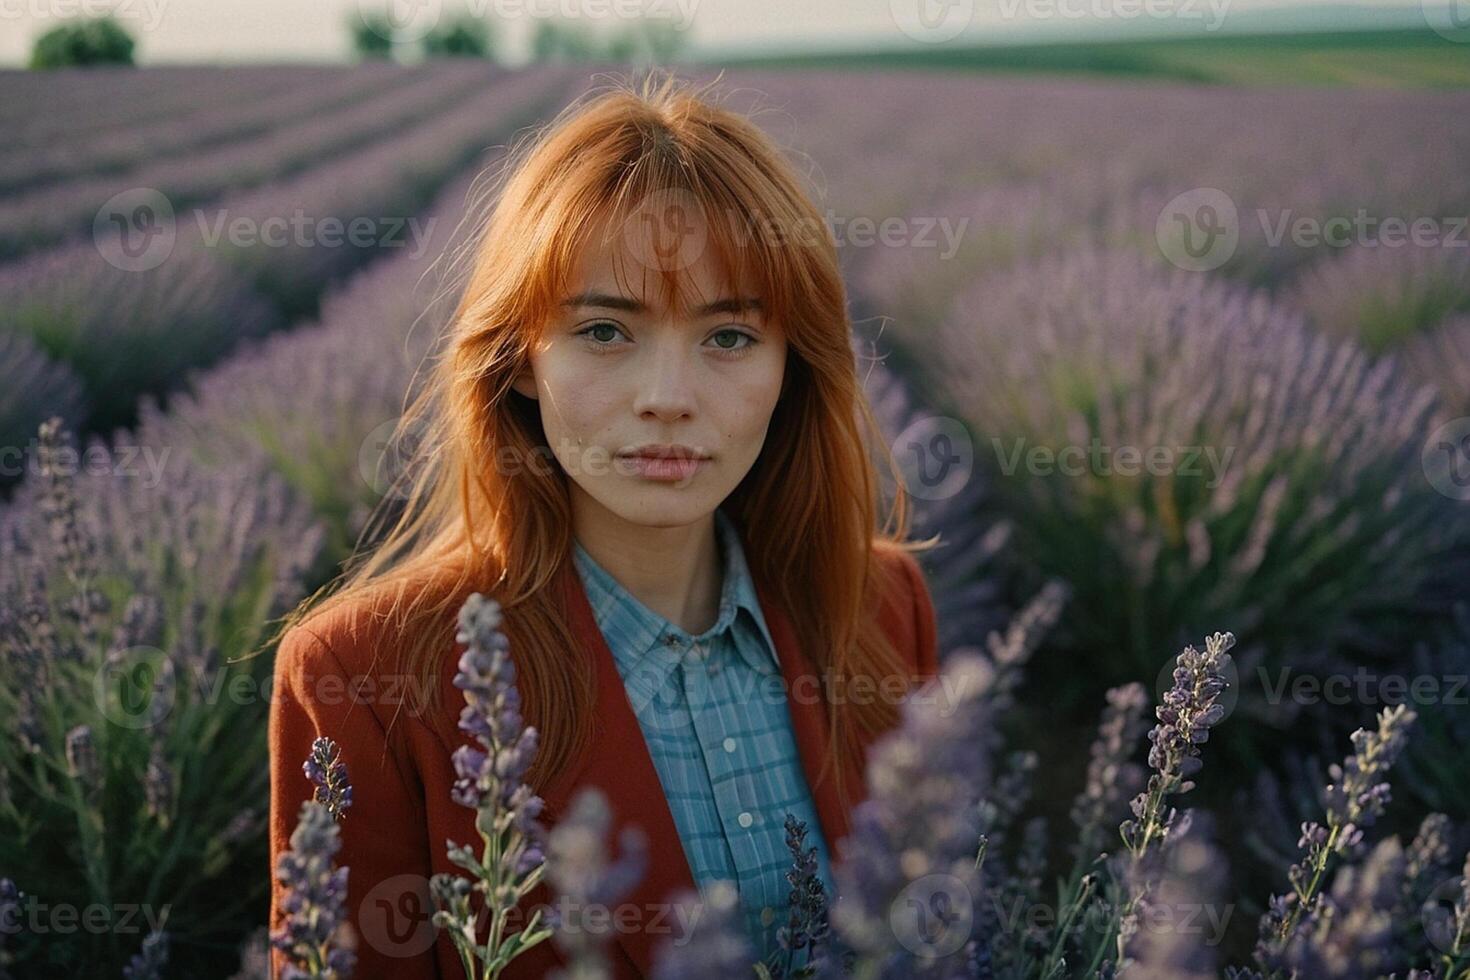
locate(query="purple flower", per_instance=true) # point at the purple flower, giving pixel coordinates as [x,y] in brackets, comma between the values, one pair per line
[316,893]
[1295,926]
[149,963]
[1111,777]
[512,858]
[909,893]
[717,948]
[1182,906]
[328,773]
[806,926]
[1190,708]
[585,880]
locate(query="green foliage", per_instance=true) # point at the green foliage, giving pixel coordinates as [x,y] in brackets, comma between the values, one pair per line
[463,37]
[655,41]
[372,35]
[89,41]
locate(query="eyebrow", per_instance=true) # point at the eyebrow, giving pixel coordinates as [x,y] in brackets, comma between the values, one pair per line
[608,301]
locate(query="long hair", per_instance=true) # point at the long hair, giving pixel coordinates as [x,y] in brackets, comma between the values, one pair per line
[807,510]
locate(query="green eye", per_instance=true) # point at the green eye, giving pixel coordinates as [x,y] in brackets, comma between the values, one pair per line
[734,336]
[596,327]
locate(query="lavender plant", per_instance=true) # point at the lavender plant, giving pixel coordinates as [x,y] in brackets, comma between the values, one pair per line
[511,859]
[1355,799]
[150,961]
[717,947]
[307,403]
[586,880]
[1384,295]
[316,936]
[966,571]
[125,333]
[806,929]
[328,775]
[1191,707]
[1289,445]
[39,388]
[132,735]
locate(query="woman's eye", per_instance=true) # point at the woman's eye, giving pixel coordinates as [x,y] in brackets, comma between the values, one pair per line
[603,333]
[728,338]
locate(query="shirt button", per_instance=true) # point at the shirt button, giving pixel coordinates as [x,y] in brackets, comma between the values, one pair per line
[746,819]
[729,745]
[768,915]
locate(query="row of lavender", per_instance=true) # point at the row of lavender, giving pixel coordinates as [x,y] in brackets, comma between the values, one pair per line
[115,323]
[209,108]
[1263,425]
[134,596]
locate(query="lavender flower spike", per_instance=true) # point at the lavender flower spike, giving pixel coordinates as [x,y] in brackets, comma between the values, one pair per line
[1190,708]
[315,929]
[717,947]
[909,893]
[149,963]
[490,780]
[583,877]
[1354,800]
[807,923]
[325,768]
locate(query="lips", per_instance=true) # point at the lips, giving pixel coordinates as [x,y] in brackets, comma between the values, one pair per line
[672,452]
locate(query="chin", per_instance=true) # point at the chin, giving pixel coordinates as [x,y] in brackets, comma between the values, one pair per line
[663,505]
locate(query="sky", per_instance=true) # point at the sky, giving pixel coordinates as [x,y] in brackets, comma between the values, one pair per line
[256,30]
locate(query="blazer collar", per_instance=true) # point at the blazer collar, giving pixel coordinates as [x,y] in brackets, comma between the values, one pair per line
[617,762]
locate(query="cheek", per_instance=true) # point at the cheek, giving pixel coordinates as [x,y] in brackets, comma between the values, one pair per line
[744,410]
[576,396]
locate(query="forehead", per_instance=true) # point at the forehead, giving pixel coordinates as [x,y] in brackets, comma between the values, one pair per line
[656,267]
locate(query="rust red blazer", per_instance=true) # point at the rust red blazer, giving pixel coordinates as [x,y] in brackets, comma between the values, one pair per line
[393,836]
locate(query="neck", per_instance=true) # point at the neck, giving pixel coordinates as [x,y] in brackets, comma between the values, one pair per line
[674,571]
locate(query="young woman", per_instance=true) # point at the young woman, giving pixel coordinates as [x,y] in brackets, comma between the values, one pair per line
[646,437]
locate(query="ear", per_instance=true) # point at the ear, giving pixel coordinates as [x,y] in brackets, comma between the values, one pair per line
[525,383]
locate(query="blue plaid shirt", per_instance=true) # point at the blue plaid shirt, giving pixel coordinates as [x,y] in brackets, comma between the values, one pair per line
[713,712]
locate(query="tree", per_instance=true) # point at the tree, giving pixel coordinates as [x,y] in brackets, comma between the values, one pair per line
[86,41]
[372,34]
[465,37]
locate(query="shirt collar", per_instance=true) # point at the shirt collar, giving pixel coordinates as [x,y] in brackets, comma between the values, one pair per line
[651,633]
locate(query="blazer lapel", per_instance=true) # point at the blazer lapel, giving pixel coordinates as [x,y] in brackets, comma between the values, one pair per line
[617,762]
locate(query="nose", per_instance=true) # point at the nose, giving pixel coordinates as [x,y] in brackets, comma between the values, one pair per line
[666,385]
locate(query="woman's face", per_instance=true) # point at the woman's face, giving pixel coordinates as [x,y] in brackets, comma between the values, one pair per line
[615,371]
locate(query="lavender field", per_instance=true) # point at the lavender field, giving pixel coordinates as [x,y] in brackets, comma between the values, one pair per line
[1168,367]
